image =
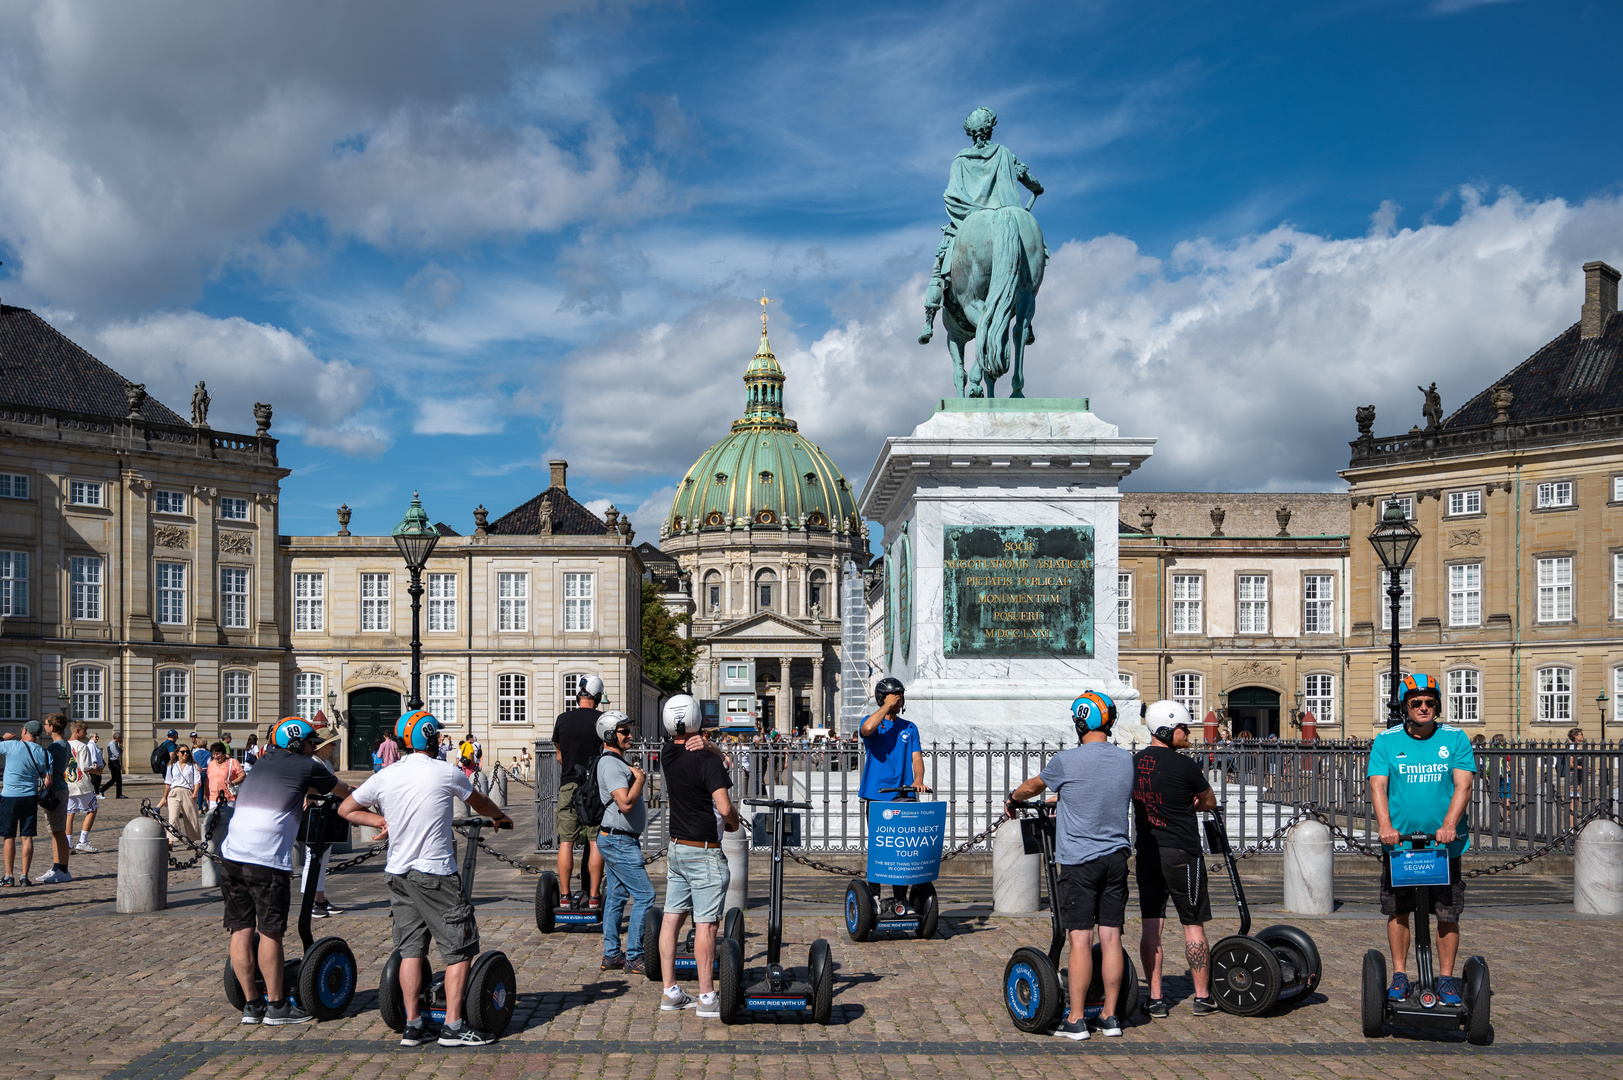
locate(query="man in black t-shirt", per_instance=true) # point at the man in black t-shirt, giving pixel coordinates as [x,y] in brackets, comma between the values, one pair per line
[1168,790]
[575,742]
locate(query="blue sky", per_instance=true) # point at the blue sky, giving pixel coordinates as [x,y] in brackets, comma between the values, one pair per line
[450,242]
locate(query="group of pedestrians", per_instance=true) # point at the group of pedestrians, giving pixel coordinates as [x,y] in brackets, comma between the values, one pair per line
[59,778]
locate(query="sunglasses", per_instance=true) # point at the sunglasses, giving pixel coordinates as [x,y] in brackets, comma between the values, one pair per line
[1430,703]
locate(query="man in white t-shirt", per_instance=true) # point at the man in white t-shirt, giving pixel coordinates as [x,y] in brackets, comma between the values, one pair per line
[418,797]
[83,775]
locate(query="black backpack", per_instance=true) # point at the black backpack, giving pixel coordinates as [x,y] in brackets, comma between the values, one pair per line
[588,800]
[159,759]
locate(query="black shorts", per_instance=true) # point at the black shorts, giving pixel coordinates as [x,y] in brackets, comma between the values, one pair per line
[1169,873]
[256,897]
[1446,903]
[1094,892]
[19,816]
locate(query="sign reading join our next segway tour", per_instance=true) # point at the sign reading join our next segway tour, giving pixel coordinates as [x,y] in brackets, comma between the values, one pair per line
[1017,591]
[904,841]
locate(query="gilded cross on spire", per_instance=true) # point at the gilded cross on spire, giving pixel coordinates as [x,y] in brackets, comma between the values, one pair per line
[763,301]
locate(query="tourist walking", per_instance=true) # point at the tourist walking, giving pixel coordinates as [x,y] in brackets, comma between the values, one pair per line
[83,773]
[181,782]
[114,755]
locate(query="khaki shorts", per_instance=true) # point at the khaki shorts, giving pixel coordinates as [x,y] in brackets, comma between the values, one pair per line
[570,830]
[430,905]
[58,818]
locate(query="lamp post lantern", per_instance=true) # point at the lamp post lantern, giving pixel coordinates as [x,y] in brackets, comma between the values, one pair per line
[1394,540]
[416,539]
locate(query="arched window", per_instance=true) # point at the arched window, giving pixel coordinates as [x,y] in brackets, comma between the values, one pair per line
[1464,696]
[442,698]
[1186,691]
[815,592]
[712,592]
[766,588]
[1555,694]
[1319,697]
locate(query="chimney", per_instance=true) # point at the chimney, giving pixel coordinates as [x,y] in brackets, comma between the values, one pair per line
[1600,298]
[560,467]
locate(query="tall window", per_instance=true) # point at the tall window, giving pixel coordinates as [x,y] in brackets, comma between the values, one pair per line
[1617,584]
[1555,694]
[441,603]
[1405,501]
[307,687]
[814,592]
[1555,590]
[712,591]
[1464,502]
[1319,604]
[1124,603]
[13,692]
[1558,493]
[511,699]
[1405,605]
[1464,696]
[237,698]
[172,593]
[169,502]
[13,583]
[1186,692]
[1465,595]
[84,592]
[309,601]
[234,509]
[84,493]
[442,698]
[1319,697]
[174,686]
[1186,601]
[513,601]
[375,602]
[233,597]
[766,584]
[579,591]
[85,685]
[13,486]
[1253,604]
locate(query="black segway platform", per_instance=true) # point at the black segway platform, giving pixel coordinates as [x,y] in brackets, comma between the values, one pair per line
[687,967]
[553,911]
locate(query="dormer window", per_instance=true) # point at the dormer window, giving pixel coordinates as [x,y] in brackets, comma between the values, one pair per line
[721,478]
[766,477]
[811,478]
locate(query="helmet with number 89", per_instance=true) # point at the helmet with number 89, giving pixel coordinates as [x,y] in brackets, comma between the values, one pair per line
[418,730]
[1093,710]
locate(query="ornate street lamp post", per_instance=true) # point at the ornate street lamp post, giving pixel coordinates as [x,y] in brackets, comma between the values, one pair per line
[1600,703]
[416,539]
[1394,540]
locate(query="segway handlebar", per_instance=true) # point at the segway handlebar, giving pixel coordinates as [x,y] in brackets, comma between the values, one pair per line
[778,802]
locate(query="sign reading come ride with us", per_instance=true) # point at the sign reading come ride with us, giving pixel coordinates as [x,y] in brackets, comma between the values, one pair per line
[1017,591]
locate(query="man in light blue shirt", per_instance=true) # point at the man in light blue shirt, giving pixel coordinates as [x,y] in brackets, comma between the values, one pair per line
[25,764]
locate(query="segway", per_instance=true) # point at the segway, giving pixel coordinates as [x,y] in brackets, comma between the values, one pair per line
[553,910]
[1422,867]
[1251,974]
[867,914]
[687,966]
[1035,986]
[779,990]
[492,990]
[322,981]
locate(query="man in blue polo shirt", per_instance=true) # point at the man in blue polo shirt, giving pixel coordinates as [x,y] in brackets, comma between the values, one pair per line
[1420,777]
[892,759]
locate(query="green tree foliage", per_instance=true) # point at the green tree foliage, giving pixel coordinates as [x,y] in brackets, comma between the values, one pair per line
[667,656]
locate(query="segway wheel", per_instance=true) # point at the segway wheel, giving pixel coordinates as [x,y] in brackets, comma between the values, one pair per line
[327,979]
[730,981]
[922,899]
[233,989]
[1245,976]
[1293,946]
[1478,999]
[391,1002]
[1374,996]
[650,943]
[492,993]
[820,973]
[732,926]
[1127,998]
[1031,990]
[546,901]
[860,916]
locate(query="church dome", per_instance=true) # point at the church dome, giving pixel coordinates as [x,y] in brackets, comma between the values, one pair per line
[764,474]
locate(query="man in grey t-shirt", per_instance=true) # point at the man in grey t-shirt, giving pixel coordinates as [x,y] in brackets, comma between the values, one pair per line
[1094,784]
[625,816]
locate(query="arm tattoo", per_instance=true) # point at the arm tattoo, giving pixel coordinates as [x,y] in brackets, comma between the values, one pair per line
[1196,953]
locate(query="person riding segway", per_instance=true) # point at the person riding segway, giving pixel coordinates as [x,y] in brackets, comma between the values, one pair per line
[418,797]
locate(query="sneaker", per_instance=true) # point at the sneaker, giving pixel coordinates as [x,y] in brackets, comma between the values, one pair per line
[1072,1029]
[1448,989]
[636,966]
[1205,1006]
[614,963]
[86,849]
[53,876]
[416,1034]
[1157,1007]
[332,908]
[8,883]
[24,881]
[1400,987]
[594,903]
[463,1035]
[254,1012]
[319,911]
[682,1000]
[285,1012]
[710,1005]
[1109,1026]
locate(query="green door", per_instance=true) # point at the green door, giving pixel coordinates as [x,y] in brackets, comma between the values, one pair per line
[373,713]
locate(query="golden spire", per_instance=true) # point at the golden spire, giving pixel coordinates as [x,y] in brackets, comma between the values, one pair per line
[763,301]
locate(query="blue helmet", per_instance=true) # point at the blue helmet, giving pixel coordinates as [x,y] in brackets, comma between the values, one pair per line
[418,730]
[1093,710]
[291,733]
[1418,683]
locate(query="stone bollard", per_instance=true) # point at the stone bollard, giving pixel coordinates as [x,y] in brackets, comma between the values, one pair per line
[1015,874]
[211,869]
[143,868]
[1310,869]
[736,847]
[498,788]
[1597,870]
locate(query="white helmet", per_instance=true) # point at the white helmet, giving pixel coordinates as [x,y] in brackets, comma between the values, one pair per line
[590,686]
[1163,716]
[610,722]
[683,717]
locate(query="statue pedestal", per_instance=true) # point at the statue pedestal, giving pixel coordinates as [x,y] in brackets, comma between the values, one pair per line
[1000,532]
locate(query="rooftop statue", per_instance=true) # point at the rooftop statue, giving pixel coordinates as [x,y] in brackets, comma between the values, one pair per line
[989,265]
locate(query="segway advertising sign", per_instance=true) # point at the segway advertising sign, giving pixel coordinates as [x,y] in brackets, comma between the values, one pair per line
[904,841]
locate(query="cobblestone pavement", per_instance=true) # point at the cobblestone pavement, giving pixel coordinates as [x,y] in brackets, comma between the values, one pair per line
[88,993]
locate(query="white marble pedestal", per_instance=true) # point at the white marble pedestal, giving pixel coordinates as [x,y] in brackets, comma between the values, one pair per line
[998,462]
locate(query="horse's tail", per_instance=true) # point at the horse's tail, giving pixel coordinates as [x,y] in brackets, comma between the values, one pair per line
[1008,257]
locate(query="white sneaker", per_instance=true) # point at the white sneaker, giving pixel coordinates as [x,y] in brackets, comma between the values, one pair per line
[86,849]
[682,1000]
[54,876]
[710,1005]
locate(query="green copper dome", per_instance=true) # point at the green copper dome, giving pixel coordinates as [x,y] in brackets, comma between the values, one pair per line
[764,474]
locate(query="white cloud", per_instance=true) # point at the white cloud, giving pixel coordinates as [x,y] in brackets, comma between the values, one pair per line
[458,416]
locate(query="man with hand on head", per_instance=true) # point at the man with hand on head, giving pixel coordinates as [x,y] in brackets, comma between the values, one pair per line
[625,816]
[892,759]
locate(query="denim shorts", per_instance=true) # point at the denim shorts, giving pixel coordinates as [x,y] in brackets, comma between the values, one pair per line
[696,881]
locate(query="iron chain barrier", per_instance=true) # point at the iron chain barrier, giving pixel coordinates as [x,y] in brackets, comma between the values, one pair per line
[201,851]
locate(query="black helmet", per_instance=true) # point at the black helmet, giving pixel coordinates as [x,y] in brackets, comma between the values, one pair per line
[888,685]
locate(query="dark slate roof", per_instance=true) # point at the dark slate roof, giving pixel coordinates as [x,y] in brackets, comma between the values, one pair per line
[1567,377]
[40,368]
[445,530]
[653,558]
[569,518]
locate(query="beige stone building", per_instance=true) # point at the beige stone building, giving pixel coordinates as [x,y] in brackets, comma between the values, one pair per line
[1515,592]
